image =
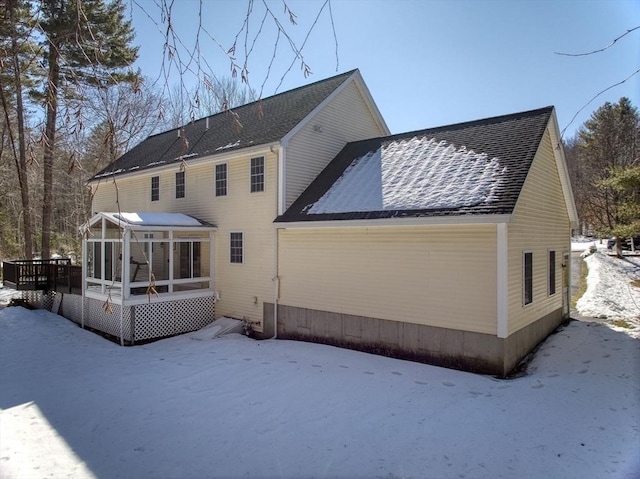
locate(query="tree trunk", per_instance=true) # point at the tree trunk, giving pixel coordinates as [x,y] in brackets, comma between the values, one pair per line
[53,80]
[21,160]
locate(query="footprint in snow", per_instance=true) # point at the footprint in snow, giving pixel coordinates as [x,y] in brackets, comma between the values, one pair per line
[397,373]
[538,385]
[368,372]
[316,366]
[447,383]
[582,371]
[421,382]
[343,366]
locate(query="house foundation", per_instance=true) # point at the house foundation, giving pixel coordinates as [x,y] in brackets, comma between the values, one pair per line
[465,350]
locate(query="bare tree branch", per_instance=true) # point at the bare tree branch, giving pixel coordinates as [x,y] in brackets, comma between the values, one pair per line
[601,49]
[596,96]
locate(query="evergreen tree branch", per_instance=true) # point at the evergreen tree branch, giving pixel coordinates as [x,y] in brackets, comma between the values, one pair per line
[596,96]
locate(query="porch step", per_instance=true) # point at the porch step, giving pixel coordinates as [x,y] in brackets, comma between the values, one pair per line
[218,328]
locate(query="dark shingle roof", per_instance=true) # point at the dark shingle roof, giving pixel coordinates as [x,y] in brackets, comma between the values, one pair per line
[263,122]
[511,139]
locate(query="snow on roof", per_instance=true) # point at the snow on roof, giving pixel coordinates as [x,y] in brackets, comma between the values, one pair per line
[413,174]
[157,219]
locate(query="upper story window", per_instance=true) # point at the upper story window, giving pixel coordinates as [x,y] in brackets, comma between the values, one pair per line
[527,296]
[552,272]
[180,185]
[257,174]
[236,250]
[155,188]
[221,179]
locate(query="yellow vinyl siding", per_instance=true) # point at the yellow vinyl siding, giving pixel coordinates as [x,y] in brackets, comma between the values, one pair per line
[345,118]
[539,223]
[433,275]
[242,287]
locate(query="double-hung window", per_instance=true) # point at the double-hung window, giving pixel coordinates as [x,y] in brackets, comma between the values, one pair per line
[221,179]
[155,188]
[527,296]
[257,174]
[236,250]
[180,184]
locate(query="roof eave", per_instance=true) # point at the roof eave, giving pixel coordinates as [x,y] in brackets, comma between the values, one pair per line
[405,221]
[214,157]
[563,171]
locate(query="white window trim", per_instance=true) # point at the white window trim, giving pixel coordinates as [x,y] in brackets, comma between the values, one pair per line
[152,178]
[184,176]
[264,174]
[215,180]
[243,247]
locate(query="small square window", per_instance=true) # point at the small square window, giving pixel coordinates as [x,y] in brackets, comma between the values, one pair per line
[257,174]
[236,248]
[180,186]
[221,179]
[155,188]
[528,277]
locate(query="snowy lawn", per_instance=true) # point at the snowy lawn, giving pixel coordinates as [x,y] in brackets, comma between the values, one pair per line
[613,287]
[76,405]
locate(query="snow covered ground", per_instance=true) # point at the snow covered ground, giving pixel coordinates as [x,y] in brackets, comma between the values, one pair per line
[610,296]
[75,405]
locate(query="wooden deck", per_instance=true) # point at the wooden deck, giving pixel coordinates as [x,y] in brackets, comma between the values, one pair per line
[43,275]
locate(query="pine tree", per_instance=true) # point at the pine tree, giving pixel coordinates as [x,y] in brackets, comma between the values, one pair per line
[609,156]
[16,76]
[87,44]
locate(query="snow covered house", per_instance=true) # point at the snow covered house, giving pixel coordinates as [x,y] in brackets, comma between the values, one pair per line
[302,215]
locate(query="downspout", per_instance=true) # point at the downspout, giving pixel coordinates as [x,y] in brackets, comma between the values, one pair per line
[502,266]
[84,274]
[279,209]
[125,291]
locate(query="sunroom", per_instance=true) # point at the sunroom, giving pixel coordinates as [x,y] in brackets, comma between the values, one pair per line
[147,275]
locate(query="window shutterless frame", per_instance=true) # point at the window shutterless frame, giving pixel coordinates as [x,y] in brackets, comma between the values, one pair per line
[257,174]
[236,247]
[552,272]
[180,184]
[527,277]
[155,188]
[221,179]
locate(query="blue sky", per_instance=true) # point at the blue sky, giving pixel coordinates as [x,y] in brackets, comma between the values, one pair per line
[428,63]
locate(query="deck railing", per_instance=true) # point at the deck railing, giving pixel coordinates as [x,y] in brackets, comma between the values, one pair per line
[56,274]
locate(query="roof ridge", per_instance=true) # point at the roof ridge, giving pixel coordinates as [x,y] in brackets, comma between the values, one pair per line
[253,103]
[509,141]
[461,125]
